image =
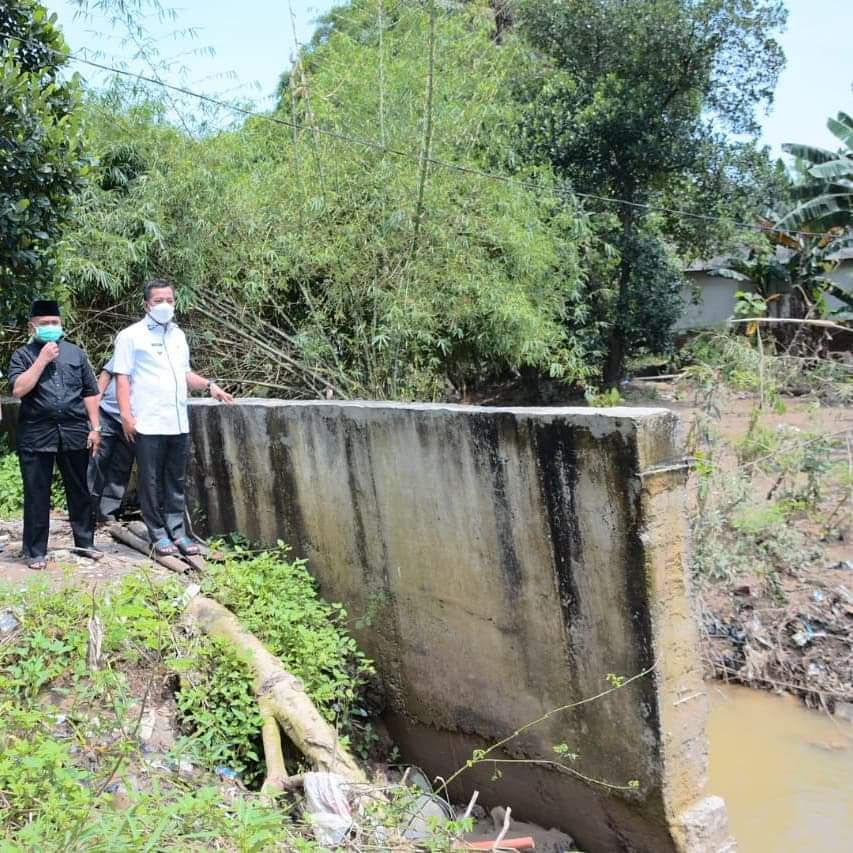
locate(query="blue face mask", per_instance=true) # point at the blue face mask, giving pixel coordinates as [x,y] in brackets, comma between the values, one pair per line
[48,334]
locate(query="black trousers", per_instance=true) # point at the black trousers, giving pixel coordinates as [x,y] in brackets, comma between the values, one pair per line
[161,461]
[109,471]
[37,474]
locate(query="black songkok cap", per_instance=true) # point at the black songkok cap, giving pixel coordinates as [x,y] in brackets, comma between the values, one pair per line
[44,308]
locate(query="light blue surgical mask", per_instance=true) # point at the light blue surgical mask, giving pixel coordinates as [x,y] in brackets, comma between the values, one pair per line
[48,334]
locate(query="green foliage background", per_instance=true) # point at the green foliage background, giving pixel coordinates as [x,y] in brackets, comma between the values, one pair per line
[42,162]
[324,249]
[300,242]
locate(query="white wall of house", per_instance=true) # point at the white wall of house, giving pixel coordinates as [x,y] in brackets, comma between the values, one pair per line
[843,276]
[709,300]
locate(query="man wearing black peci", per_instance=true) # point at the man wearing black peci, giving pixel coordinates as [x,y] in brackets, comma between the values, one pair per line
[58,422]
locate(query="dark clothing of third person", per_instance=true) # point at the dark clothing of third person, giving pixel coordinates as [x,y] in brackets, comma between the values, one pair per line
[53,426]
[109,471]
[161,465]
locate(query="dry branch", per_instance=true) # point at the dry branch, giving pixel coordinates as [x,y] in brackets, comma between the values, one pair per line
[823,324]
[282,701]
[127,537]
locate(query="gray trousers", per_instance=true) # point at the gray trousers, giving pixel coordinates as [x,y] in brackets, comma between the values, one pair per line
[109,471]
[161,462]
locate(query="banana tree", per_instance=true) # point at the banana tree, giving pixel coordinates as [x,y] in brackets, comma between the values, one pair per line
[794,266]
[825,198]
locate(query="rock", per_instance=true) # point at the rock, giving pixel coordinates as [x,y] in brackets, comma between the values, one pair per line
[9,623]
[703,827]
[186,769]
[157,730]
[121,793]
[121,800]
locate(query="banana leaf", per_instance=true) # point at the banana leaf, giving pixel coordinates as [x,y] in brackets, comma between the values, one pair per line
[840,168]
[823,212]
[809,152]
[842,128]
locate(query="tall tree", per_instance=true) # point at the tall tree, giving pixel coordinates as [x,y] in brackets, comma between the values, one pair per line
[41,160]
[630,92]
[331,262]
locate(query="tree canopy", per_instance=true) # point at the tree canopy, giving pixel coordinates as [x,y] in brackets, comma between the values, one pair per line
[329,263]
[41,159]
[626,101]
[445,193]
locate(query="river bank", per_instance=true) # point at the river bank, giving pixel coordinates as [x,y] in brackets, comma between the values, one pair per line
[772,538]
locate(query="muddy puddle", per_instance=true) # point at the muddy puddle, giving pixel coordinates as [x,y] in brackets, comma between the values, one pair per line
[786,773]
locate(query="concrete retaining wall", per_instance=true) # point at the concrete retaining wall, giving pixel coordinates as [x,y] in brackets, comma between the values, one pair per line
[510,559]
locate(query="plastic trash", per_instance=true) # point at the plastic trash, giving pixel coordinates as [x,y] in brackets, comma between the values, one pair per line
[227,773]
[327,807]
[415,776]
[184,599]
[425,813]
[9,623]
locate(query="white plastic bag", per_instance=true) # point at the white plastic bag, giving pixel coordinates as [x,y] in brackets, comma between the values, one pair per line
[327,807]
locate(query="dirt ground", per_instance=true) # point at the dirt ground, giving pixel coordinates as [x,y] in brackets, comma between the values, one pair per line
[65,567]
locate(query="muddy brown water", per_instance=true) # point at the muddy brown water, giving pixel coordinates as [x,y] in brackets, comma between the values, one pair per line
[785,772]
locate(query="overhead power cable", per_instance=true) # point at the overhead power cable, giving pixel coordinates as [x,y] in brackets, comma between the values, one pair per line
[396,152]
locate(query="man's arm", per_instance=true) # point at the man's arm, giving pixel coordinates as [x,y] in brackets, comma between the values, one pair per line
[104,378]
[123,362]
[199,383]
[23,382]
[91,403]
[128,422]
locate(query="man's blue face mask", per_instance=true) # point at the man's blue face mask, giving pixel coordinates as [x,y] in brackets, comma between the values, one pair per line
[48,334]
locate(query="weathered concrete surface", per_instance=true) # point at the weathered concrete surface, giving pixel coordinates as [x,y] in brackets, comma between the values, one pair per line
[8,419]
[510,559]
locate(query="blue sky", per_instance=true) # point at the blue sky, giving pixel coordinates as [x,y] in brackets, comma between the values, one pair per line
[253,43]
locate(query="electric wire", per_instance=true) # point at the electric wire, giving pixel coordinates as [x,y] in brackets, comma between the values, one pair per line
[449,165]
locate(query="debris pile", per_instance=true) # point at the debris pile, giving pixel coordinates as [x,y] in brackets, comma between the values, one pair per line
[803,647]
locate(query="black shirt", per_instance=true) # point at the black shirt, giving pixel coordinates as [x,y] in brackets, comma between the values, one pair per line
[53,416]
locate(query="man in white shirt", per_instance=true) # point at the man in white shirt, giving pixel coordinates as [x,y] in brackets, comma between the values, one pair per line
[151,364]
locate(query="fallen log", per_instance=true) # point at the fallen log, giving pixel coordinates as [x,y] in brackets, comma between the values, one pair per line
[282,702]
[126,537]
